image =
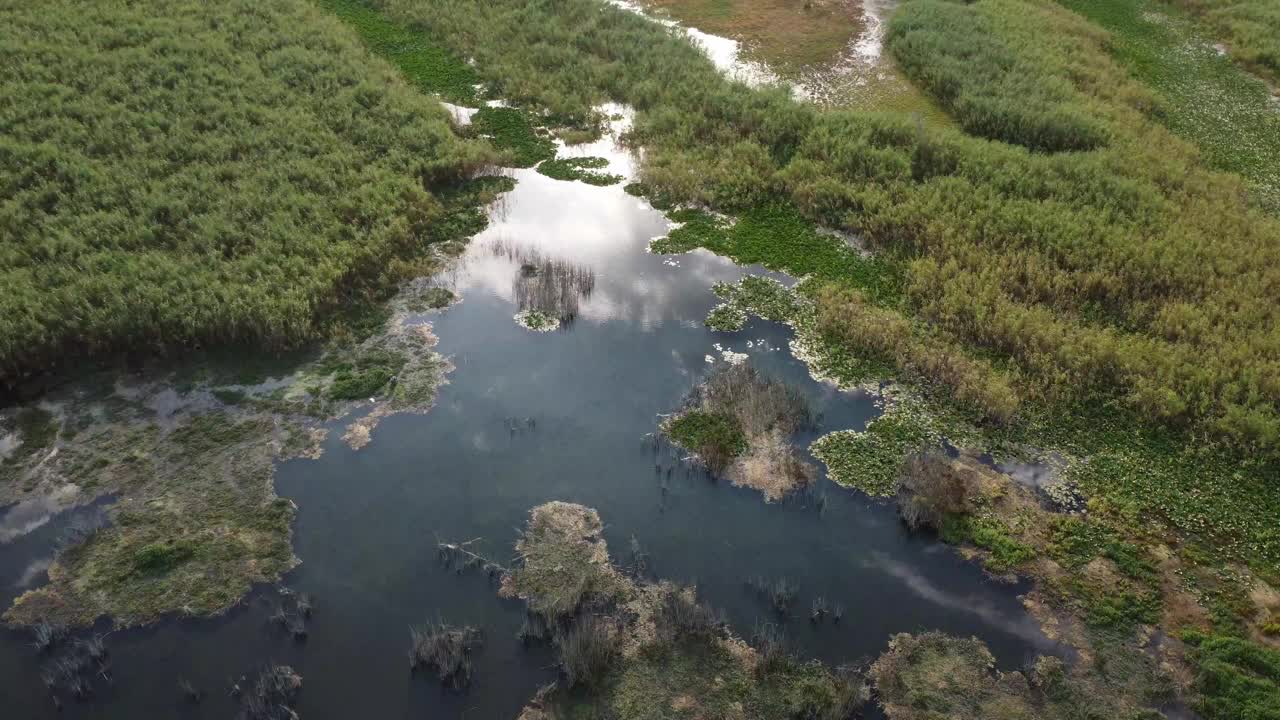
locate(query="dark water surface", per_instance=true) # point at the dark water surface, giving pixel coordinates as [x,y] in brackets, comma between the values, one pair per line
[529,417]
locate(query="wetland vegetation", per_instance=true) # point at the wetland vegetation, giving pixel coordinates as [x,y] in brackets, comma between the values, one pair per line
[1075,264]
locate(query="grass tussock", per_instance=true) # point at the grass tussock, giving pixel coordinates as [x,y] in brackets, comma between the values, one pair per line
[588,650]
[272,695]
[739,423]
[682,617]
[446,650]
[659,652]
[563,563]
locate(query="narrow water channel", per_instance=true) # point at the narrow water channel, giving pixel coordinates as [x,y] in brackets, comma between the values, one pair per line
[529,417]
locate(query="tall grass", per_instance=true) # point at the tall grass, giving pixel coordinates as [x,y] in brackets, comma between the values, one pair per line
[956,52]
[179,173]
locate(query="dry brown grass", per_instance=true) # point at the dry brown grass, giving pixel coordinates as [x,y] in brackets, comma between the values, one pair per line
[771,466]
[787,34]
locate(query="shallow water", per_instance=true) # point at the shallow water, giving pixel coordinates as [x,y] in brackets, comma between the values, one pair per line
[529,417]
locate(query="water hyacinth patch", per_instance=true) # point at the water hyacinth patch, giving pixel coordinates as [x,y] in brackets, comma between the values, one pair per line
[582,169]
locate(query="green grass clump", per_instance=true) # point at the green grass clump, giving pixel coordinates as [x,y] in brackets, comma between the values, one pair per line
[954,51]
[160,557]
[359,384]
[1006,552]
[582,169]
[432,298]
[1236,679]
[246,198]
[513,130]
[715,436]
[1075,541]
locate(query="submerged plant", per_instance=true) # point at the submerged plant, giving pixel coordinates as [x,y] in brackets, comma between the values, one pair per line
[190,692]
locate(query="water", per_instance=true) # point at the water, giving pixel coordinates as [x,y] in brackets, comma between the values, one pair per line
[529,417]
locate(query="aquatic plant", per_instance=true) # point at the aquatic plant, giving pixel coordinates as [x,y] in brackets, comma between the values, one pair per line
[535,629]
[726,318]
[588,649]
[818,611]
[681,616]
[45,636]
[582,169]
[780,593]
[274,691]
[515,131]
[639,565]
[93,647]
[446,649]
[461,557]
[189,691]
[773,653]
